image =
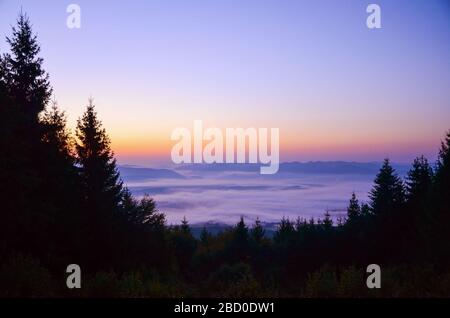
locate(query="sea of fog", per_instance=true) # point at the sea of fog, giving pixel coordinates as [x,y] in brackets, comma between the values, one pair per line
[223,195]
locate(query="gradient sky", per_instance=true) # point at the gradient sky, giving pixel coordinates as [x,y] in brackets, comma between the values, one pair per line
[336,89]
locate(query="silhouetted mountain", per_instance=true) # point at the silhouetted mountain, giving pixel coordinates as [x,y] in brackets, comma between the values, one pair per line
[311,167]
[338,167]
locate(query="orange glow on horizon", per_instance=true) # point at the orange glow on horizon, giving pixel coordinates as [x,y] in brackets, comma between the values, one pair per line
[290,148]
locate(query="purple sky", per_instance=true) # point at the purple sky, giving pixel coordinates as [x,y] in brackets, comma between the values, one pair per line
[336,89]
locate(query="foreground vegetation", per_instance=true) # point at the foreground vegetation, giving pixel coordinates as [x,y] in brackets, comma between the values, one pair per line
[63,202]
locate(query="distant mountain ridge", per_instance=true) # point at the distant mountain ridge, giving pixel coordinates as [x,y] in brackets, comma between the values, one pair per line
[311,167]
[133,173]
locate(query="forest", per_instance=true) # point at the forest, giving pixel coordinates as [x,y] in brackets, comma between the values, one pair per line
[63,202]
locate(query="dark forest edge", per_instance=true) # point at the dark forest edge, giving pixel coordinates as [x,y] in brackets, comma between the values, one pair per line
[63,202]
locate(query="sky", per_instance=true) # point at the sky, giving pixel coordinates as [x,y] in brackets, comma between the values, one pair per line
[336,89]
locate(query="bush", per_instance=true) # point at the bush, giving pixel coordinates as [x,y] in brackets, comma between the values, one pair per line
[103,284]
[322,283]
[24,276]
[352,283]
[233,281]
[132,285]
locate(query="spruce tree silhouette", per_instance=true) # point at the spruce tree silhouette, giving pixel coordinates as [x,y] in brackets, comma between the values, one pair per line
[416,213]
[387,200]
[100,177]
[241,232]
[239,245]
[353,209]
[327,222]
[184,245]
[388,192]
[185,228]
[284,233]
[419,179]
[353,234]
[24,92]
[441,207]
[257,232]
[60,184]
[55,132]
[28,84]
[102,188]
[148,214]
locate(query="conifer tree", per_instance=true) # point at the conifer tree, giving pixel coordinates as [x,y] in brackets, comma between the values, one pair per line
[285,232]
[24,92]
[129,206]
[365,210]
[101,190]
[353,209]
[100,177]
[241,232]
[388,193]
[27,83]
[60,183]
[443,162]
[416,214]
[148,214]
[419,179]
[442,179]
[5,102]
[388,211]
[55,132]
[239,246]
[327,221]
[257,232]
[185,228]
[441,204]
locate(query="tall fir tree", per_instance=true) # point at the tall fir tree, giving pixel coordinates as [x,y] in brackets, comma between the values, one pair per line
[185,228]
[148,214]
[257,232]
[442,177]
[443,162]
[24,92]
[284,232]
[417,218]
[239,245]
[60,186]
[388,193]
[327,222]
[419,179]
[241,231]
[440,235]
[101,188]
[387,206]
[27,83]
[353,209]
[55,132]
